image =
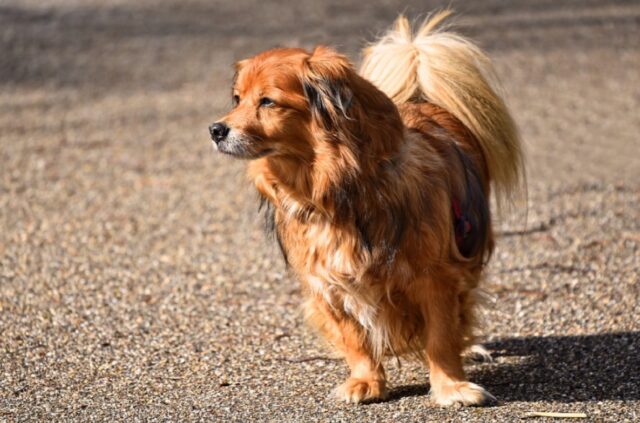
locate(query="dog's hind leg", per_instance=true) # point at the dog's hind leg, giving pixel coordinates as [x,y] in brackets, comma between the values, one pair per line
[367,381]
[470,300]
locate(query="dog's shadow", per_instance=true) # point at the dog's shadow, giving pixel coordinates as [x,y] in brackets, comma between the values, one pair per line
[556,368]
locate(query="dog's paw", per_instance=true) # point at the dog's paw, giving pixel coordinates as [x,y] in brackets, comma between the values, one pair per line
[356,390]
[477,354]
[462,393]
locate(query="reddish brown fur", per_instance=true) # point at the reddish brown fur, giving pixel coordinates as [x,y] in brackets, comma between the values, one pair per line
[362,194]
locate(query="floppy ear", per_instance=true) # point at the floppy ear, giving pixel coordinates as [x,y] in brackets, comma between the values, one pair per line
[326,82]
[237,67]
[240,64]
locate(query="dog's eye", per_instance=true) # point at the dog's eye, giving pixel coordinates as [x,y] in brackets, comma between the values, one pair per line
[266,102]
[236,100]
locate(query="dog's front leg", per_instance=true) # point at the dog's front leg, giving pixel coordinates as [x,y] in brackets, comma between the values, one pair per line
[444,344]
[367,381]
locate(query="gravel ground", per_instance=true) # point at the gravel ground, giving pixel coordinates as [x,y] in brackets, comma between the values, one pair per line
[135,282]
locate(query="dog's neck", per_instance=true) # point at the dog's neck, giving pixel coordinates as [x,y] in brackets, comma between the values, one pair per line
[326,186]
[342,162]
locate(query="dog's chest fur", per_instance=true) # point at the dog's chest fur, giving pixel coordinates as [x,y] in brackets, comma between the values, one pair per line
[333,265]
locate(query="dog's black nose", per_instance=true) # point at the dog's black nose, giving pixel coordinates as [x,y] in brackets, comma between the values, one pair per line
[218,131]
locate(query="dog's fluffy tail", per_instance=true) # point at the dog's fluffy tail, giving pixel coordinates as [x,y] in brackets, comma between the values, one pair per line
[446,69]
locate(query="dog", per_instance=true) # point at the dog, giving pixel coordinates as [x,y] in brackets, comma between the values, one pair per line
[376,186]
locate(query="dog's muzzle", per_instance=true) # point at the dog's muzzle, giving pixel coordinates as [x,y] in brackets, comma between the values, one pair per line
[219,132]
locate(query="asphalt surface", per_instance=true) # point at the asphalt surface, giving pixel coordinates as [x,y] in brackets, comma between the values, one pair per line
[136,283]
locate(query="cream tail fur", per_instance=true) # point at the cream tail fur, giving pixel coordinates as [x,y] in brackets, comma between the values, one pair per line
[446,69]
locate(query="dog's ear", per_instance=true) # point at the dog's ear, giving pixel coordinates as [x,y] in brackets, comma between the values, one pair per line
[240,64]
[237,67]
[325,80]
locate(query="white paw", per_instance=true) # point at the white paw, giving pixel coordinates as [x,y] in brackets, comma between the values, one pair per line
[477,354]
[463,393]
[355,390]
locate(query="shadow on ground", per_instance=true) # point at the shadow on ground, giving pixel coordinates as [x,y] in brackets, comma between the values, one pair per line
[556,368]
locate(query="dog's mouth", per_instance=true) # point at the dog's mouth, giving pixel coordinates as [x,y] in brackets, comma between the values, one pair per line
[248,155]
[242,150]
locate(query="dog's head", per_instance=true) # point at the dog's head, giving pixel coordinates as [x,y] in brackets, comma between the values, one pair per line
[284,98]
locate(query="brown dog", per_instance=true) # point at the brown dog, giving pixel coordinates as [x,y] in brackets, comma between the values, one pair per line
[377,188]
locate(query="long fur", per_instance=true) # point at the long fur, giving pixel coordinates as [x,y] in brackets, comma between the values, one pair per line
[380,201]
[446,69]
